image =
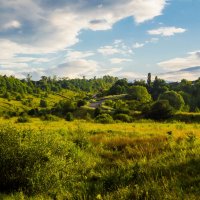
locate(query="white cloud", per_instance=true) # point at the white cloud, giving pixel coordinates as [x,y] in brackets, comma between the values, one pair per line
[166,31]
[56,25]
[191,60]
[75,69]
[138,45]
[172,76]
[108,50]
[119,60]
[118,47]
[76,55]
[131,75]
[42,27]
[11,25]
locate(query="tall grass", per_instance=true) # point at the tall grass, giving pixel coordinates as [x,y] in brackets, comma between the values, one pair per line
[80,163]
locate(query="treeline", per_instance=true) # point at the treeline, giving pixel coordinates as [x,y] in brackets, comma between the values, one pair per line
[186,93]
[52,84]
[117,99]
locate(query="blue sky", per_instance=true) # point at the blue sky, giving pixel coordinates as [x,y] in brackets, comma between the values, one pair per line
[125,38]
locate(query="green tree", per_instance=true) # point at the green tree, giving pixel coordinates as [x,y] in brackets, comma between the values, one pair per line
[159,86]
[149,80]
[175,99]
[160,110]
[139,93]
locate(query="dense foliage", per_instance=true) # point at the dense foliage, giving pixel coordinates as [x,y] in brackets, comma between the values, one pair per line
[109,94]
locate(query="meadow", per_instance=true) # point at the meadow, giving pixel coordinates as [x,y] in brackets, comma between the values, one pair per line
[87,160]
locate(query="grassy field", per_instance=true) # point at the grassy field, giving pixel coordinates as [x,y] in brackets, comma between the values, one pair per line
[85,160]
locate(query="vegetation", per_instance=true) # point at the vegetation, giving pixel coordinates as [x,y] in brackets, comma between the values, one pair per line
[53,96]
[102,138]
[85,161]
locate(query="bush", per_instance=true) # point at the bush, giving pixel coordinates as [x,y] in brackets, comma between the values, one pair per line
[122,111]
[97,112]
[49,117]
[18,98]
[104,119]
[81,103]
[43,103]
[23,119]
[187,117]
[7,95]
[123,117]
[69,117]
[33,112]
[109,103]
[160,110]
[175,99]
[31,161]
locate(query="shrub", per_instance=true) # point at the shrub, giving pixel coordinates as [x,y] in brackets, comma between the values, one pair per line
[160,110]
[81,103]
[23,119]
[175,99]
[122,111]
[43,103]
[30,161]
[104,119]
[97,112]
[123,117]
[33,112]
[49,117]
[109,103]
[187,117]
[69,117]
[18,98]
[7,95]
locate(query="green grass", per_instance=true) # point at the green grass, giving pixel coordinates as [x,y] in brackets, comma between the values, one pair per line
[82,160]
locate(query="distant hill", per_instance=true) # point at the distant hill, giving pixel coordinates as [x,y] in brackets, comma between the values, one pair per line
[191,69]
[190,73]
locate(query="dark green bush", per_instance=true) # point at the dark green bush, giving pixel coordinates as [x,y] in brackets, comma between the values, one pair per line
[97,112]
[23,119]
[33,112]
[31,162]
[123,117]
[160,110]
[122,111]
[104,119]
[187,117]
[43,103]
[18,98]
[69,117]
[81,103]
[49,117]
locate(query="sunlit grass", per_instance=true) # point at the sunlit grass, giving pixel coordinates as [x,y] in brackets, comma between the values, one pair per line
[85,160]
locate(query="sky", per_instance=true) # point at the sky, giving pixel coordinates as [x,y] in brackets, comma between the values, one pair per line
[123,38]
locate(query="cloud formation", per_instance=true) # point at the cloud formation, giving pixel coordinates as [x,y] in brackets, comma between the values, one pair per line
[166,31]
[118,47]
[138,45]
[189,74]
[187,67]
[191,60]
[119,60]
[40,27]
